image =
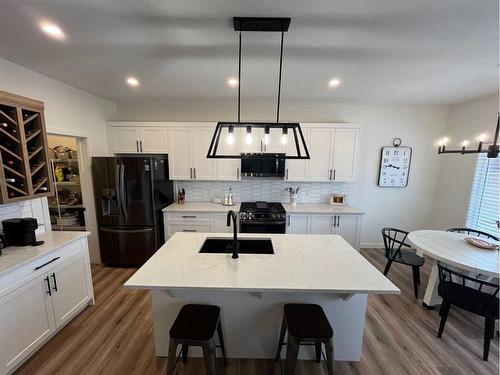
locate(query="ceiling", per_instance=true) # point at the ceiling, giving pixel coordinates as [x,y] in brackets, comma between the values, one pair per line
[384,51]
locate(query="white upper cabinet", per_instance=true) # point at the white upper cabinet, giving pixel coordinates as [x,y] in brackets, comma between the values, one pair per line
[188,154]
[203,168]
[296,170]
[320,149]
[333,149]
[229,169]
[154,140]
[139,139]
[334,153]
[125,140]
[180,155]
[345,151]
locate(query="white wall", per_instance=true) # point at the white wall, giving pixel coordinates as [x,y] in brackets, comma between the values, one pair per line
[418,126]
[67,111]
[465,122]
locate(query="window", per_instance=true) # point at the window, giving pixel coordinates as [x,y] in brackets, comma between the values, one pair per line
[484,205]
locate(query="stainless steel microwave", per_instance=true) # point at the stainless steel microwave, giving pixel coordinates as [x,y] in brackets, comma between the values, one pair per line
[263,165]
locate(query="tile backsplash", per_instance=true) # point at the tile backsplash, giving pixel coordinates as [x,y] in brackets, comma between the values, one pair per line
[28,208]
[264,189]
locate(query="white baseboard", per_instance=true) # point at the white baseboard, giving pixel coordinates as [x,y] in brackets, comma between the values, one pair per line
[365,245]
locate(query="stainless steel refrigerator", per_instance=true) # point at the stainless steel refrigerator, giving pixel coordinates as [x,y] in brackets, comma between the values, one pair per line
[130,192]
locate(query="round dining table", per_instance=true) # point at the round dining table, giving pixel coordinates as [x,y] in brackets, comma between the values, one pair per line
[451,248]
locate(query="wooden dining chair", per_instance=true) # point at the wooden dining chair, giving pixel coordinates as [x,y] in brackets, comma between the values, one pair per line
[473,232]
[471,294]
[394,240]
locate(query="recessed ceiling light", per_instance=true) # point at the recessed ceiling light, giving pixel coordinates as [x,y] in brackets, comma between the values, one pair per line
[52,30]
[232,82]
[334,82]
[132,81]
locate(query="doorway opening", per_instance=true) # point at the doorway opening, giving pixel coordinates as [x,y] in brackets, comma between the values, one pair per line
[67,209]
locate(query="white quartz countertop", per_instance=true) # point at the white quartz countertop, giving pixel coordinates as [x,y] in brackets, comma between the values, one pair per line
[200,207]
[308,263]
[321,208]
[14,257]
[301,208]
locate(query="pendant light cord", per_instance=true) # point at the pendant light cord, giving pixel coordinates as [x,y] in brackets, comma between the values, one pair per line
[239,79]
[279,79]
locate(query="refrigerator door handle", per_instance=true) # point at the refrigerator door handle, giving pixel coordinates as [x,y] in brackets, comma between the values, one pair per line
[122,191]
[117,188]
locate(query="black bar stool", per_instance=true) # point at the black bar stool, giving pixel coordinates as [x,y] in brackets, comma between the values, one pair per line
[195,325]
[307,324]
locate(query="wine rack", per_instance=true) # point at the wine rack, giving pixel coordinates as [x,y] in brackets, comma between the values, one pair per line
[24,166]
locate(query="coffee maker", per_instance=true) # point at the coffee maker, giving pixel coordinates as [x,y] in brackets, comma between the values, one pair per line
[20,232]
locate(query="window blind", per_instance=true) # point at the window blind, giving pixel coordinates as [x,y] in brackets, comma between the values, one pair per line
[484,205]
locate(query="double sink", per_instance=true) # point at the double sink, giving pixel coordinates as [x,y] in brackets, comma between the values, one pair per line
[246,246]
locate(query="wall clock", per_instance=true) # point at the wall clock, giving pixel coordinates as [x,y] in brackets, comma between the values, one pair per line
[394,165]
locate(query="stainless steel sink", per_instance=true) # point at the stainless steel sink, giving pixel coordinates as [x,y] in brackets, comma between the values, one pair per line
[246,246]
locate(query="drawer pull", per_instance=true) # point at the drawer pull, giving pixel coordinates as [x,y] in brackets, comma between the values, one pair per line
[189,216]
[43,265]
[189,230]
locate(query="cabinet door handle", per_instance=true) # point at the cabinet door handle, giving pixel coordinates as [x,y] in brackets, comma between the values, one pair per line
[140,143]
[43,265]
[334,175]
[338,221]
[330,176]
[189,216]
[189,230]
[237,173]
[286,177]
[55,281]
[194,173]
[191,173]
[49,292]
[137,145]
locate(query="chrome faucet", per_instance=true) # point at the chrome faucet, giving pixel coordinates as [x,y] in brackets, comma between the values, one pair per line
[232,215]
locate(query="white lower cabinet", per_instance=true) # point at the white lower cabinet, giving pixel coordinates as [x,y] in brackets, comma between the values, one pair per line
[297,224]
[70,289]
[220,224]
[39,298]
[347,226]
[26,321]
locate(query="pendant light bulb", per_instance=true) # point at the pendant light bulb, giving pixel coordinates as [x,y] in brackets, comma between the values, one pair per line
[284,136]
[230,135]
[248,137]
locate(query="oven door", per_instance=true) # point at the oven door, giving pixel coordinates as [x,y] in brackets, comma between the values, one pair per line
[277,227]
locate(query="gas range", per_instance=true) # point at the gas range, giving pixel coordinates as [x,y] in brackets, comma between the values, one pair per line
[262,217]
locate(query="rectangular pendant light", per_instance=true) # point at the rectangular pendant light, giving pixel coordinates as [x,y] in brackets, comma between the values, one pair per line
[265,24]
[299,143]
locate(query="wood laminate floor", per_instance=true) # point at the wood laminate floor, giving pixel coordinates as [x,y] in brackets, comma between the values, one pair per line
[116,336]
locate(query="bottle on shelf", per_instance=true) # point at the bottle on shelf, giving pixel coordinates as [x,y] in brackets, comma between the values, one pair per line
[14,182]
[43,188]
[10,129]
[10,162]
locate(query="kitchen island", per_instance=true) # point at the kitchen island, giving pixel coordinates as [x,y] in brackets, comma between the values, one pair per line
[251,290]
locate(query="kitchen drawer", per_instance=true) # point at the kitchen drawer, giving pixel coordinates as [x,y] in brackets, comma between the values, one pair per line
[193,227]
[17,277]
[190,216]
